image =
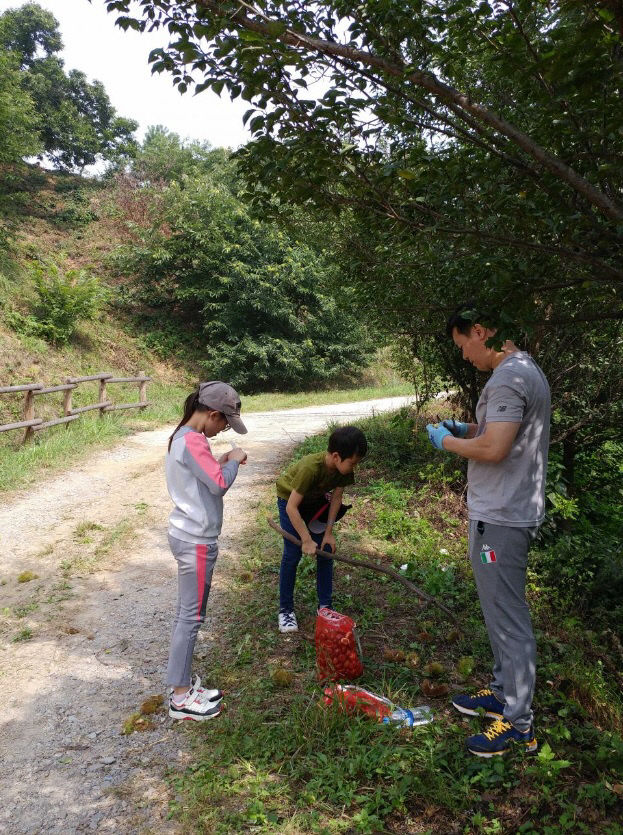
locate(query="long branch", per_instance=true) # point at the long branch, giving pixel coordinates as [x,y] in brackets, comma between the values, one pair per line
[429,82]
[373,566]
[563,252]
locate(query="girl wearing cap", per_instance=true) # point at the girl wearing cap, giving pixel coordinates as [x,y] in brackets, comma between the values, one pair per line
[197,482]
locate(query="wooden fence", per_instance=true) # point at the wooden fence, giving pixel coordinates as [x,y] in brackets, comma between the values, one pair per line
[32,424]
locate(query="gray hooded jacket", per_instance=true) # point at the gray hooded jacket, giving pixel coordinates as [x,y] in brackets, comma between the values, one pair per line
[196,483]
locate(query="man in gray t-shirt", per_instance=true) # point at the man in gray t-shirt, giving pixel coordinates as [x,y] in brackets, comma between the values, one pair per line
[507,452]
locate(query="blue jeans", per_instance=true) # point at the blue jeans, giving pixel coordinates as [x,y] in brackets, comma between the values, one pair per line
[291,557]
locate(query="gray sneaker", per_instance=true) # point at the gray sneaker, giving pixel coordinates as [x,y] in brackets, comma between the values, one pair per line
[287,622]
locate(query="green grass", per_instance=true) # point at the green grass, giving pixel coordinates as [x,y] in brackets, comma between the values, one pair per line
[274,400]
[56,448]
[280,761]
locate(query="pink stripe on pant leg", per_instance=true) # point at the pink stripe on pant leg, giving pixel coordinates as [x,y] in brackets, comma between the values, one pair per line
[202,556]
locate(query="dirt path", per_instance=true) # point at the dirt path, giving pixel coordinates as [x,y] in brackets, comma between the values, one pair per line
[85,642]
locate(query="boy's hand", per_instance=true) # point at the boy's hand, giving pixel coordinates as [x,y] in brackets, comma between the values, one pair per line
[308,546]
[237,454]
[328,539]
[436,434]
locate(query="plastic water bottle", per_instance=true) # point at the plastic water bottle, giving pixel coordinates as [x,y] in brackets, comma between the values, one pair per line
[409,717]
[352,698]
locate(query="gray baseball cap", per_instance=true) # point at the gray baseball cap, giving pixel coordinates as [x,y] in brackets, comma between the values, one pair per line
[223,398]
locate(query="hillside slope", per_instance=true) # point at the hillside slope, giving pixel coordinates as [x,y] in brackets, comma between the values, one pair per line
[67,222]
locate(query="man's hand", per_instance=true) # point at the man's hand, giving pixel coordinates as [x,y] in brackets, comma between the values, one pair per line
[457,427]
[436,434]
[328,539]
[308,546]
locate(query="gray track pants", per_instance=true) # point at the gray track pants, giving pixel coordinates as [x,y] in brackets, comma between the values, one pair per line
[195,565]
[499,557]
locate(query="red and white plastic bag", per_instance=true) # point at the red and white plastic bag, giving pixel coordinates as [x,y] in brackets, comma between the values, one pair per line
[338,655]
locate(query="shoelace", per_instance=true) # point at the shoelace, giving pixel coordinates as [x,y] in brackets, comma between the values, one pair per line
[288,618]
[485,692]
[497,728]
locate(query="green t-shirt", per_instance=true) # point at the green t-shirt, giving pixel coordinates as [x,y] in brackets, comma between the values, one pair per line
[311,477]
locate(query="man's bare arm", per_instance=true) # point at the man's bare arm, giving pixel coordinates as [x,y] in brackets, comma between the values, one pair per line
[493,445]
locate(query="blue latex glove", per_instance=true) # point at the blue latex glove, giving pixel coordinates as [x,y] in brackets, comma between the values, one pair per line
[436,434]
[458,429]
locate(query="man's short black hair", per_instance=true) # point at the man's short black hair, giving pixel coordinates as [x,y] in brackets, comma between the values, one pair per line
[348,441]
[466,315]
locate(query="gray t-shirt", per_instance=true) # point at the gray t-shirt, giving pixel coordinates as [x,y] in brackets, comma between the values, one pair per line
[512,492]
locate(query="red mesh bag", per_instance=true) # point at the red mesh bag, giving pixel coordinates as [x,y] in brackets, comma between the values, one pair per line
[338,655]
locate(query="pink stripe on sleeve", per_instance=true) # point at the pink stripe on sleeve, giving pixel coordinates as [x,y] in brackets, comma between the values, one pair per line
[202,555]
[198,447]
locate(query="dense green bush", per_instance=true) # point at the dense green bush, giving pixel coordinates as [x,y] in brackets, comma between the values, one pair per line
[242,299]
[63,299]
[579,555]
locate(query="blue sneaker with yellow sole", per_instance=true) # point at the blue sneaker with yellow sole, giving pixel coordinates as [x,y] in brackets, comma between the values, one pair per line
[482,700]
[499,738]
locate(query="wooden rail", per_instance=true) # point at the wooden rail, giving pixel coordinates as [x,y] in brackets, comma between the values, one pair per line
[32,424]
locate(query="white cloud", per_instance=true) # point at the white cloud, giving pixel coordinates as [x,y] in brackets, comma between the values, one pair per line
[94,45]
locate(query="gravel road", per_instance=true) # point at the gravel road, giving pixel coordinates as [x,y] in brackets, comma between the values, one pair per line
[84,642]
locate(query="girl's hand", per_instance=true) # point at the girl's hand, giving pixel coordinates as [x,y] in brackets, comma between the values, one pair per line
[308,546]
[328,539]
[237,454]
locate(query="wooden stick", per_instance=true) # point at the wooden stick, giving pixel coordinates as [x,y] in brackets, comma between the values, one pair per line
[142,388]
[29,415]
[373,566]
[67,398]
[140,379]
[50,389]
[103,399]
[26,387]
[99,376]
[100,405]
[127,406]
[7,427]
[56,422]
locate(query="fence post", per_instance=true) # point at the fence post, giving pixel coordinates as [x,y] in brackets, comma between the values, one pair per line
[29,414]
[142,388]
[102,395]
[67,404]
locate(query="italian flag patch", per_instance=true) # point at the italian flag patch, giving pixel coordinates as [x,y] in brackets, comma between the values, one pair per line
[487,554]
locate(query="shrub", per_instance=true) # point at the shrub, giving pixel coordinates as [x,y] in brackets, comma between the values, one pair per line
[63,300]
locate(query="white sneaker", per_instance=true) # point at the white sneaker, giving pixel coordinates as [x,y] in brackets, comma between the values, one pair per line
[287,622]
[211,695]
[195,706]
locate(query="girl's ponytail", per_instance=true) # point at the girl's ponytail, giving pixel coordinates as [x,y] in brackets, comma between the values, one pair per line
[191,404]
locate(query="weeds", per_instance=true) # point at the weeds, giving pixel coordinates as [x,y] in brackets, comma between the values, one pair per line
[89,561]
[82,531]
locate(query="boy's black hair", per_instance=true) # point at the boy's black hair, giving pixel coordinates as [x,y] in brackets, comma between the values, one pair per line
[348,441]
[466,315]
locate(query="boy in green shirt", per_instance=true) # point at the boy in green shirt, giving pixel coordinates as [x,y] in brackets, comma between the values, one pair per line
[304,504]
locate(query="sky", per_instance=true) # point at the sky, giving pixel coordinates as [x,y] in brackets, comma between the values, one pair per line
[94,45]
